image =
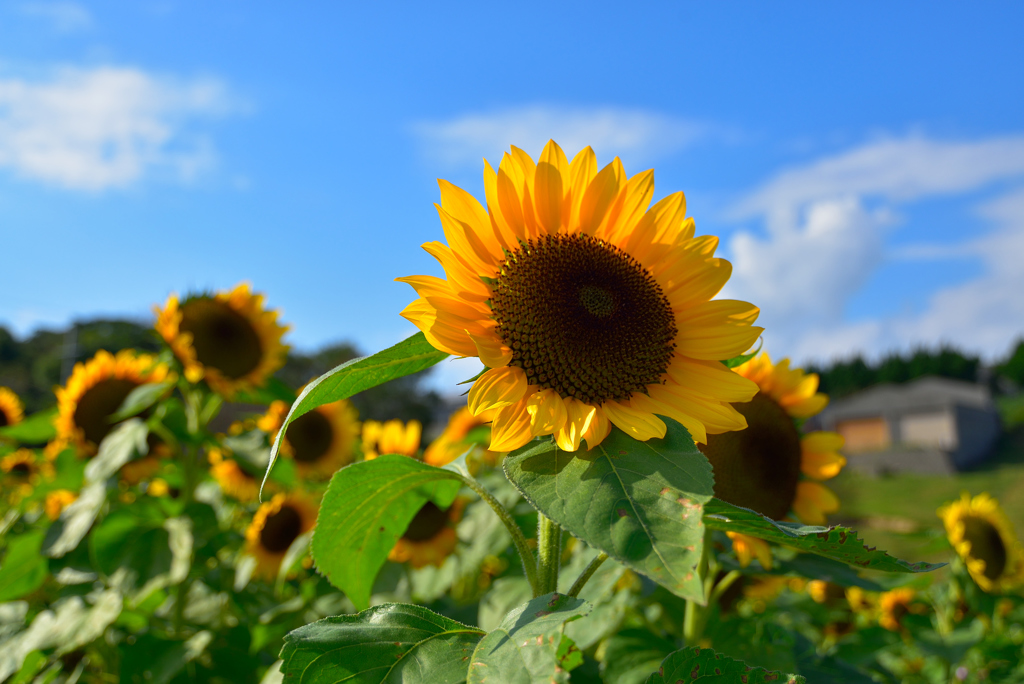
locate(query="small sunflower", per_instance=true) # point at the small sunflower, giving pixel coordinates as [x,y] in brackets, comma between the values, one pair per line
[320,441]
[23,467]
[895,605]
[227,338]
[430,537]
[760,467]
[587,308]
[275,526]
[94,392]
[57,501]
[984,538]
[234,480]
[392,437]
[747,548]
[11,409]
[452,442]
[825,592]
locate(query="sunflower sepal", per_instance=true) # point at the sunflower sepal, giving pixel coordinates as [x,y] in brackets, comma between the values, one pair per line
[405,358]
[743,358]
[653,493]
[835,542]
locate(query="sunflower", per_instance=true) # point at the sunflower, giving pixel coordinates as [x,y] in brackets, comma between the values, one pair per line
[57,501]
[135,471]
[96,390]
[430,537]
[392,437]
[760,467]
[234,480]
[321,441]
[227,338]
[587,308]
[11,409]
[747,548]
[453,442]
[984,538]
[275,526]
[24,467]
[895,605]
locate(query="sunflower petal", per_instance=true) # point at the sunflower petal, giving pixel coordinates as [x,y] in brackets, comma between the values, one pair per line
[547,412]
[496,388]
[510,428]
[636,423]
[813,502]
[579,416]
[491,351]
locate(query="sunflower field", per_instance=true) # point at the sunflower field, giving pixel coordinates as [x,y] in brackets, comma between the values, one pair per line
[628,495]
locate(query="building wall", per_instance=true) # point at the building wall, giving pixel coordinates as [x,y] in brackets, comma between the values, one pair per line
[865,434]
[935,429]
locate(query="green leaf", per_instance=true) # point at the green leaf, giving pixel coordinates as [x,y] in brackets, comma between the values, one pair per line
[127,539]
[704,666]
[274,390]
[390,643]
[631,655]
[124,441]
[352,377]
[366,508]
[639,502]
[75,521]
[140,399]
[836,542]
[36,429]
[524,649]
[23,569]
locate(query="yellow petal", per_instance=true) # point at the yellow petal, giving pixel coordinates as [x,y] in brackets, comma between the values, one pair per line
[661,403]
[465,208]
[746,548]
[496,388]
[597,199]
[599,428]
[637,424]
[813,501]
[629,209]
[807,407]
[510,428]
[463,281]
[504,234]
[491,351]
[822,441]
[509,203]
[550,182]
[712,379]
[582,171]
[466,243]
[547,412]
[579,416]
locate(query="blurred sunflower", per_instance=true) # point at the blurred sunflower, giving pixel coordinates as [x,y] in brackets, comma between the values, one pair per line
[760,467]
[234,480]
[392,437]
[895,605]
[11,409]
[320,441]
[747,548]
[452,443]
[275,526]
[94,392]
[135,471]
[57,501]
[23,471]
[227,338]
[430,537]
[587,308]
[984,538]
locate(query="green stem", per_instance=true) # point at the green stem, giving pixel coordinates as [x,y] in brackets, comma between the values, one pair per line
[549,554]
[696,616]
[518,538]
[587,573]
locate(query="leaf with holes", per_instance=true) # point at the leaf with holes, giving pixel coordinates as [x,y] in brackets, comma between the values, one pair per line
[367,507]
[527,646]
[836,542]
[352,377]
[704,666]
[388,643]
[639,502]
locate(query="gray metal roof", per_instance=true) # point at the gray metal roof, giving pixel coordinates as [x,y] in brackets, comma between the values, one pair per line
[924,394]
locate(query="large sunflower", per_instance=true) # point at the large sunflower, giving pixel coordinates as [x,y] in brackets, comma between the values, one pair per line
[11,409]
[452,443]
[94,392]
[391,437]
[275,526]
[430,537]
[771,467]
[321,441]
[984,538]
[587,308]
[227,338]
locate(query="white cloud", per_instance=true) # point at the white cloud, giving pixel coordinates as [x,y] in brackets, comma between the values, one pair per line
[821,245]
[106,127]
[65,17]
[631,133]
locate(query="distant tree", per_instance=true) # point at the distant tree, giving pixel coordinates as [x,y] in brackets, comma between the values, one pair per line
[1013,367]
[845,377]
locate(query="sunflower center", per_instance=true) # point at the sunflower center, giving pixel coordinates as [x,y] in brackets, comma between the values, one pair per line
[3,417]
[429,521]
[583,318]
[986,545]
[281,529]
[758,468]
[98,403]
[21,470]
[223,338]
[310,436]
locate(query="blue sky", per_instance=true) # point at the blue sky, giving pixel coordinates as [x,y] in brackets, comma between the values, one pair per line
[863,165]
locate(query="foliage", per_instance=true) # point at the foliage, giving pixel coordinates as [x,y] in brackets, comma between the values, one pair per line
[845,377]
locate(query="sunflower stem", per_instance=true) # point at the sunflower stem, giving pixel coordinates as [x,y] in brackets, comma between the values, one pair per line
[549,554]
[696,616]
[518,538]
[587,573]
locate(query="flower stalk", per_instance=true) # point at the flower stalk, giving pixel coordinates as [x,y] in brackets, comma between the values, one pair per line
[549,554]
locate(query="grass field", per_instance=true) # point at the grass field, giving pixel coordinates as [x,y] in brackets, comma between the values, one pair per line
[895,512]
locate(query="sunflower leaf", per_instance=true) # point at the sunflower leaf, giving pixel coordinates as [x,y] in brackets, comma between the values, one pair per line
[703,665]
[36,429]
[527,646]
[835,542]
[639,502]
[390,642]
[366,508]
[23,569]
[352,377]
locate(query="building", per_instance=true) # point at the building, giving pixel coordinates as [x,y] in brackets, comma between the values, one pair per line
[930,425]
